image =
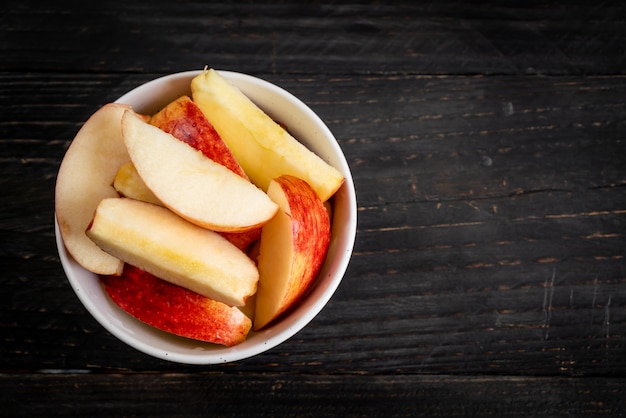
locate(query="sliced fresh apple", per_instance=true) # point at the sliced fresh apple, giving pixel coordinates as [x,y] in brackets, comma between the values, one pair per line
[293,248]
[128,183]
[160,242]
[85,178]
[184,120]
[195,187]
[175,309]
[264,149]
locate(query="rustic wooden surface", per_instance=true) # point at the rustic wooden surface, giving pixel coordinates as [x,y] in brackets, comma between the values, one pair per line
[487,147]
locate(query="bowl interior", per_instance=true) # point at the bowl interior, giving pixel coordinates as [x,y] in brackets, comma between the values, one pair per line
[305,125]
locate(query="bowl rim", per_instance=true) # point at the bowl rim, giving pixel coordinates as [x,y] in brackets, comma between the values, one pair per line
[215,354]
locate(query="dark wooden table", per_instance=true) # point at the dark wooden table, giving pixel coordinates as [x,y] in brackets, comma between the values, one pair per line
[487,144]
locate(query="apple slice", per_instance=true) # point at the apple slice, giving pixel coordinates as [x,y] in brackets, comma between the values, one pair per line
[264,149]
[193,186]
[293,247]
[175,309]
[84,179]
[184,120]
[160,242]
[129,184]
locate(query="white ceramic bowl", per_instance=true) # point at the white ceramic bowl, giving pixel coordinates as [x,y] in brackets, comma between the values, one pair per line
[305,125]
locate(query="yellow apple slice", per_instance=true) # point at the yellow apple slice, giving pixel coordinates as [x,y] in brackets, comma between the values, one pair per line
[293,248]
[263,148]
[160,242]
[128,183]
[85,178]
[193,186]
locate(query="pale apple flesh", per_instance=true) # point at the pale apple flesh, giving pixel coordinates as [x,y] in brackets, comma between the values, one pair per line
[193,186]
[175,309]
[129,184]
[293,247]
[158,241]
[184,120]
[85,178]
[264,149]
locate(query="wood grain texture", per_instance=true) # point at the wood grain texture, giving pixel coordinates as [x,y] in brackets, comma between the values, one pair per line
[220,395]
[487,148]
[446,37]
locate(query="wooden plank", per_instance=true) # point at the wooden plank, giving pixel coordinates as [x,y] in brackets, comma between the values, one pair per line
[337,38]
[265,395]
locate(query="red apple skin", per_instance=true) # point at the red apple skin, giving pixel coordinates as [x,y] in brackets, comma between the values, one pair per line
[243,240]
[311,233]
[183,119]
[176,310]
[310,226]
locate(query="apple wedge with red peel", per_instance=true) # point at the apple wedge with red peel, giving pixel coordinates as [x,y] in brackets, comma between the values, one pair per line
[175,309]
[156,240]
[293,247]
[183,119]
[264,149]
[85,178]
[193,186]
